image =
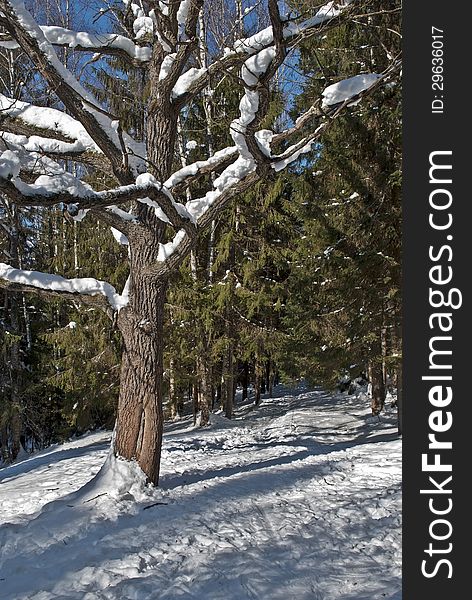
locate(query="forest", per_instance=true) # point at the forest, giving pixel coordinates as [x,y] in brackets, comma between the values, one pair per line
[201,305]
[116,118]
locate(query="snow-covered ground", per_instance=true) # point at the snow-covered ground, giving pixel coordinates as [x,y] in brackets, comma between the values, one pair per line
[299,499]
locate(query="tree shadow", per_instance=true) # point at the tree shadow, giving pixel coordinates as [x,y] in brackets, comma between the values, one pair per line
[90,547]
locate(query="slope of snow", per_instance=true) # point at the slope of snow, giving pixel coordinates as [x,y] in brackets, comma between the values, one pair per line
[298,499]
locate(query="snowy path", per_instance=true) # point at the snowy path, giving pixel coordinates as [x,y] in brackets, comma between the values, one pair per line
[297,500]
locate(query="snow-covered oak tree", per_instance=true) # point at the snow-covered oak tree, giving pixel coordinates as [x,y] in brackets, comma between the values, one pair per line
[148,207]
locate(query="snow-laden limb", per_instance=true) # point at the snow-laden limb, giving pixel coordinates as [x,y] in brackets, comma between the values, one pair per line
[120,149]
[201,167]
[55,125]
[143,25]
[348,88]
[87,290]
[192,83]
[102,43]
[186,81]
[241,173]
[64,188]
[249,107]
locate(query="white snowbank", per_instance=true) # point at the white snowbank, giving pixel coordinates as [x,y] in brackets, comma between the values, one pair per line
[299,499]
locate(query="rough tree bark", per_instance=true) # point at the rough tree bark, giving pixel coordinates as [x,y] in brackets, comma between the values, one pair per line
[140,415]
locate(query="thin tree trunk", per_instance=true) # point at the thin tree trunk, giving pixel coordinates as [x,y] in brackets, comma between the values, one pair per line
[271,379]
[173,398]
[204,398]
[263,383]
[195,407]
[14,358]
[385,350]
[245,380]
[399,382]
[378,387]
[257,387]
[227,386]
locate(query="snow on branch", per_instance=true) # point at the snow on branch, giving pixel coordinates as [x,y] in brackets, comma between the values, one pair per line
[87,290]
[281,33]
[64,188]
[105,131]
[348,88]
[242,173]
[59,131]
[102,43]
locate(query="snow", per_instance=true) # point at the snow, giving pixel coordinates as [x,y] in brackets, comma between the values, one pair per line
[50,119]
[61,36]
[66,37]
[143,26]
[264,139]
[186,80]
[265,37]
[348,88]
[299,499]
[166,65]
[182,15]
[56,283]
[193,168]
[119,237]
[165,250]
[54,184]
[257,65]
[9,165]
[293,153]
[251,71]
[191,145]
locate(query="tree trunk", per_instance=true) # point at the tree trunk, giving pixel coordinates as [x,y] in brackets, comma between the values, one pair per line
[399,382]
[205,394]
[385,351]
[173,392]
[5,452]
[140,416]
[257,385]
[245,380]
[378,387]
[227,387]
[271,383]
[195,394]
